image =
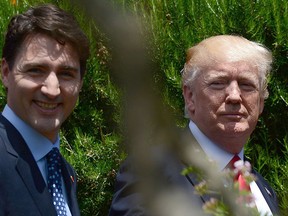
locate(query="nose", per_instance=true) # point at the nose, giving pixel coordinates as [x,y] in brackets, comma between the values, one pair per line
[51,86]
[233,93]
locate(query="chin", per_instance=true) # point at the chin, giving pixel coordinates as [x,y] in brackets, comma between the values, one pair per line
[47,126]
[235,126]
[236,130]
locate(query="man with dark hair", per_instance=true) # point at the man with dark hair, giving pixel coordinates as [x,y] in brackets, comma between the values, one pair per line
[43,64]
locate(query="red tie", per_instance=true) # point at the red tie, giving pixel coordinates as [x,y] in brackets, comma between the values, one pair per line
[238,177]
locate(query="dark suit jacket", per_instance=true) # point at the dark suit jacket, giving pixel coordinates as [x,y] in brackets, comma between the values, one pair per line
[22,188]
[127,200]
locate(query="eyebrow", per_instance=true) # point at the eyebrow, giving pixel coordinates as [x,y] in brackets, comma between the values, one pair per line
[223,74]
[218,74]
[70,68]
[31,64]
[44,65]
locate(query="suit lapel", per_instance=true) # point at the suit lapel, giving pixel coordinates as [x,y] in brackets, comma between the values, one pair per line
[33,183]
[191,145]
[193,180]
[28,169]
[267,192]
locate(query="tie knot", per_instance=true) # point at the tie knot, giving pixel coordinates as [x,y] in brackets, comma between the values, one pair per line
[231,163]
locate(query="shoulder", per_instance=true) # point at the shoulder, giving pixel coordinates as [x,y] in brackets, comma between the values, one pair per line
[8,133]
[137,177]
[4,141]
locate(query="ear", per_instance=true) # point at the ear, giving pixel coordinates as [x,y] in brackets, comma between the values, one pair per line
[261,105]
[5,72]
[81,85]
[188,95]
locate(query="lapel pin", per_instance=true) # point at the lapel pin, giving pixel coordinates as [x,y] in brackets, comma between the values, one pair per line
[72,178]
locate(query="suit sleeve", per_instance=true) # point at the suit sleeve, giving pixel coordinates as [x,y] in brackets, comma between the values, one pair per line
[126,201]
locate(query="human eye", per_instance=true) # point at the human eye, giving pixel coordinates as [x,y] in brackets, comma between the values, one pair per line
[35,71]
[68,74]
[217,84]
[247,86]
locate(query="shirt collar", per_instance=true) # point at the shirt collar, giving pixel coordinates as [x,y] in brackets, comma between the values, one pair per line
[37,143]
[211,149]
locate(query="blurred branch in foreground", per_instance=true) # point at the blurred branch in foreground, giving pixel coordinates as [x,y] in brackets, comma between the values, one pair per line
[148,129]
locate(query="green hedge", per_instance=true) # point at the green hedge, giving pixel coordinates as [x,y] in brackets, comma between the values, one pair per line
[178,24]
[91,137]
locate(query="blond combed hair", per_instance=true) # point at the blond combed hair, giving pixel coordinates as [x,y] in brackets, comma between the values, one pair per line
[227,48]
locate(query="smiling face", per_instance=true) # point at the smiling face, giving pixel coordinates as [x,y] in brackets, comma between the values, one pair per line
[44,83]
[224,102]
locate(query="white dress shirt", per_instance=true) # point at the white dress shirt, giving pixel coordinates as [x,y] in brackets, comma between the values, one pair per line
[38,145]
[222,158]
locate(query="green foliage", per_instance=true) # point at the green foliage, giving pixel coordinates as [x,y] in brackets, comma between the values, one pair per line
[90,138]
[176,25]
[96,163]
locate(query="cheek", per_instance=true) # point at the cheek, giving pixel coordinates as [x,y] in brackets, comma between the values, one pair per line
[75,92]
[25,82]
[19,89]
[71,89]
[70,94]
[254,105]
[211,102]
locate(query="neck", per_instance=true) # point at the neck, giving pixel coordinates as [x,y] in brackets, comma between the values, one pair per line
[231,145]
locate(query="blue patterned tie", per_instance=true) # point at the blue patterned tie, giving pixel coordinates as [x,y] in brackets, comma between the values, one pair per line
[54,180]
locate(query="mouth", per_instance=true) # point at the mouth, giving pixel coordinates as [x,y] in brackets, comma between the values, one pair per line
[47,106]
[233,115]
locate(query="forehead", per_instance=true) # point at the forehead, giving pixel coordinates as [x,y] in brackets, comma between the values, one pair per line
[41,47]
[239,70]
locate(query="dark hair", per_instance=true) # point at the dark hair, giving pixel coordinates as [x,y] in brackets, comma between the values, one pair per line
[50,20]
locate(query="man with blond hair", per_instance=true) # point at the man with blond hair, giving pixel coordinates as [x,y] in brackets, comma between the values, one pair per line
[224,83]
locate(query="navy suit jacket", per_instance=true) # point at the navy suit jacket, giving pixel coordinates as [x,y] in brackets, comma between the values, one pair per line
[127,201]
[23,190]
